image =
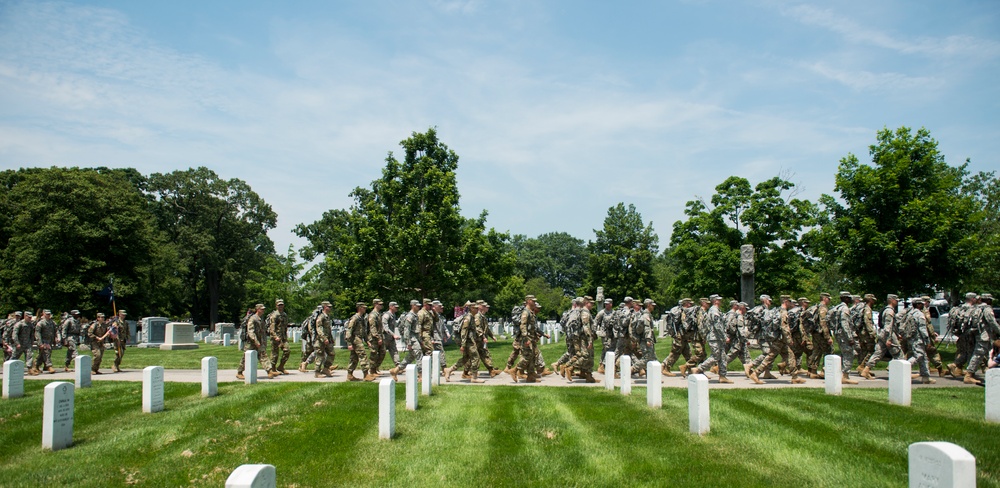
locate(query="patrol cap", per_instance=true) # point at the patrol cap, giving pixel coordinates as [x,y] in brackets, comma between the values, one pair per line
[714,297]
[608,300]
[733,302]
[74,312]
[393,304]
[588,298]
[703,300]
[485,304]
[414,302]
[325,304]
[469,303]
[986,296]
[100,315]
[917,300]
[122,312]
[927,299]
[648,301]
[18,314]
[765,297]
[869,296]
[971,296]
[578,300]
[377,301]
[627,300]
[688,300]
[856,297]
[787,298]
[529,297]
[279,302]
[436,303]
[845,294]
[47,311]
[891,296]
[427,301]
[803,299]
[259,306]
[743,304]
[824,295]
[27,313]
[360,305]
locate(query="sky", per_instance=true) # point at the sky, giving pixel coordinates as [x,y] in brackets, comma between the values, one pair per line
[558,110]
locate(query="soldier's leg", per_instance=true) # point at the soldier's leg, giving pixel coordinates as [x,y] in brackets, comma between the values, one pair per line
[765,361]
[70,351]
[846,355]
[285,353]
[920,358]
[119,353]
[46,358]
[978,356]
[320,359]
[98,353]
[528,352]
[514,353]
[485,357]
[391,350]
[698,353]
[933,356]
[242,366]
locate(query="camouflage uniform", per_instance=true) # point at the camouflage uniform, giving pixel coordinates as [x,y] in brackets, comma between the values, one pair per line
[965,332]
[761,319]
[389,339]
[697,341]
[5,337]
[94,335]
[45,337]
[569,324]
[440,337]
[888,334]
[820,337]
[256,341]
[425,321]
[22,336]
[277,329]
[866,335]
[800,346]
[840,324]
[467,344]
[716,328]
[411,337]
[602,326]
[70,335]
[323,344]
[583,356]
[648,344]
[119,338]
[780,342]
[308,329]
[623,326]
[356,331]
[679,346]
[916,330]
[483,332]
[529,335]
[933,357]
[982,315]
[374,337]
[737,333]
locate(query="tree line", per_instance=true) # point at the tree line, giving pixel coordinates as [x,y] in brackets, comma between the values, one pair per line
[190,244]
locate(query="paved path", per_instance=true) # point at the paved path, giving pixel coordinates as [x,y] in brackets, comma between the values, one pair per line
[339,376]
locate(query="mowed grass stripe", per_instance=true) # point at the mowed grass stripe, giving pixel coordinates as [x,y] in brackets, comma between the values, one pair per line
[326,435]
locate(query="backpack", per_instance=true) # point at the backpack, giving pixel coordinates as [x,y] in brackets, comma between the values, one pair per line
[515,317]
[857,318]
[243,328]
[809,322]
[794,316]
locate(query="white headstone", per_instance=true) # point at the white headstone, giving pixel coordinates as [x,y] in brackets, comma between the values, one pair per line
[425,373]
[941,465]
[899,382]
[993,395]
[239,343]
[386,408]
[225,340]
[411,387]
[654,384]
[209,377]
[250,363]
[555,335]
[609,370]
[208,338]
[253,476]
[698,418]
[82,363]
[57,416]
[296,335]
[178,336]
[626,375]
[833,376]
[436,368]
[152,389]
[13,378]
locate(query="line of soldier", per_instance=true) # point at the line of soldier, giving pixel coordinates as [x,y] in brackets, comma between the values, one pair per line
[22,331]
[974,325]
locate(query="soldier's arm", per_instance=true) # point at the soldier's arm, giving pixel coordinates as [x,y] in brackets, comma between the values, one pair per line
[348,329]
[524,325]
[869,325]
[824,324]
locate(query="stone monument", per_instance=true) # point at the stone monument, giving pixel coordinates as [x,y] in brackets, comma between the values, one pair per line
[177,336]
[746,273]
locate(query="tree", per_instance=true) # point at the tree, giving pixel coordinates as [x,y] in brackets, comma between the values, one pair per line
[67,231]
[705,249]
[281,277]
[621,257]
[220,229]
[556,257]
[984,252]
[404,237]
[902,224]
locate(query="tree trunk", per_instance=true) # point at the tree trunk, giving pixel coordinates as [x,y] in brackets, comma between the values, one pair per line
[212,284]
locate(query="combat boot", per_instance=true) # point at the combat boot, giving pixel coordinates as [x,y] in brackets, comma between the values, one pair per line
[866,373]
[600,370]
[755,379]
[714,369]
[797,381]
[769,376]
[847,380]
[33,372]
[494,372]
[240,376]
[302,367]
[694,370]
[547,372]
[531,378]
[814,375]
[66,369]
[273,374]
[333,367]
[970,378]
[590,378]
[394,372]
[557,367]
[351,377]
[723,379]
[781,368]
[466,376]
[953,370]
[371,377]
[447,375]
[746,370]
[568,374]
[684,370]
[476,379]
[927,380]
[666,372]
[282,371]
[326,372]
[941,371]
[642,373]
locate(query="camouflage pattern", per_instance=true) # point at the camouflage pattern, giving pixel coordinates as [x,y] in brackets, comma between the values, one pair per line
[95,333]
[376,343]
[986,323]
[780,344]
[308,329]
[583,348]
[840,324]
[483,333]
[425,322]
[70,332]
[887,339]
[604,328]
[467,343]
[801,348]
[647,343]
[323,344]
[409,327]
[736,331]
[45,337]
[119,338]
[355,333]
[866,334]
[389,334]
[966,334]
[528,343]
[819,336]
[440,337]
[681,344]
[916,330]
[933,357]
[277,330]
[256,341]
[717,337]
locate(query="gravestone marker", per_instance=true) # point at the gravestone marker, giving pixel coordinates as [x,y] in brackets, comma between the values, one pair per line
[152,389]
[13,378]
[83,364]
[941,465]
[178,336]
[253,476]
[899,382]
[436,368]
[698,416]
[626,362]
[993,395]
[833,378]
[654,384]
[425,373]
[746,273]
[250,373]
[225,340]
[57,416]
[209,377]
[386,408]
[411,387]
[609,370]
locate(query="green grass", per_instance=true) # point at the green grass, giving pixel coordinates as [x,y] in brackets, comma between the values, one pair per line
[326,434]
[229,357]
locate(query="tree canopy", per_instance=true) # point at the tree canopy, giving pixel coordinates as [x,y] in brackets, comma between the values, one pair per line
[621,256]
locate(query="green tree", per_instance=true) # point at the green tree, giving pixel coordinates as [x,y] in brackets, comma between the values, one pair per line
[557,257]
[621,257]
[220,229]
[984,252]
[404,237]
[904,223]
[281,277]
[66,231]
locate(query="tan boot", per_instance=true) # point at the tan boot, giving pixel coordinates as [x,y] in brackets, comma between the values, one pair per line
[970,378]
[847,380]
[476,380]
[447,374]
[371,377]
[240,376]
[768,376]
[941,371]
[273,374]
[333,367]
[351,377]
[568,374]
[796,380]
[66,369]
[546,372]
[531,378]
[684,370]
[590,378]
[755,379]
[953,370]
[723,379]
[600,370]
[714,369]
[302,367]
[494,372]
[867,373]
[695,370]
[781,368]
[927,380]
[746,370]
[667,372]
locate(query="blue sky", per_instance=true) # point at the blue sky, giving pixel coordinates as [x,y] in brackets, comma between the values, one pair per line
[557,109]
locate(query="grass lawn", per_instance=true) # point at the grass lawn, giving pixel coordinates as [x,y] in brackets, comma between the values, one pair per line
[229,357]
[327,434]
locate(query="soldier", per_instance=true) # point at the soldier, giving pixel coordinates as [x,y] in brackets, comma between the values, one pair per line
[390,334]
[256,341]
[623,324]
[355,332]
[308,328]
[916,329]
[376,353]
[648,345]
[467,344]
[583,357]
[738,335]
[989,331]
[933,357]
[97,334]
[780,338]
[410,328]
[119,337]
[801,348]
[966,335]
[441,335]
[887,340]
[839,318]
[425,321]
[22,337]
[323,344]
[679,346]
[45,337]
[70,332]
[819,335]
[277,329]
[569,322]
[717,336]
[604,327]
[759,320]
[484,332]
[529,335]
[6,333]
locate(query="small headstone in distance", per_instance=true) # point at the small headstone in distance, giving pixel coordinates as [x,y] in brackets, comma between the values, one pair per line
[626,362]
[993,395]
[83,364]
[609,370]
[253,476]
[57,415]
[13,378]
[152,389]
[412,387]
[900,382]
[209,377]
[425,375]
[250,363]
[833,377]
[654,384]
